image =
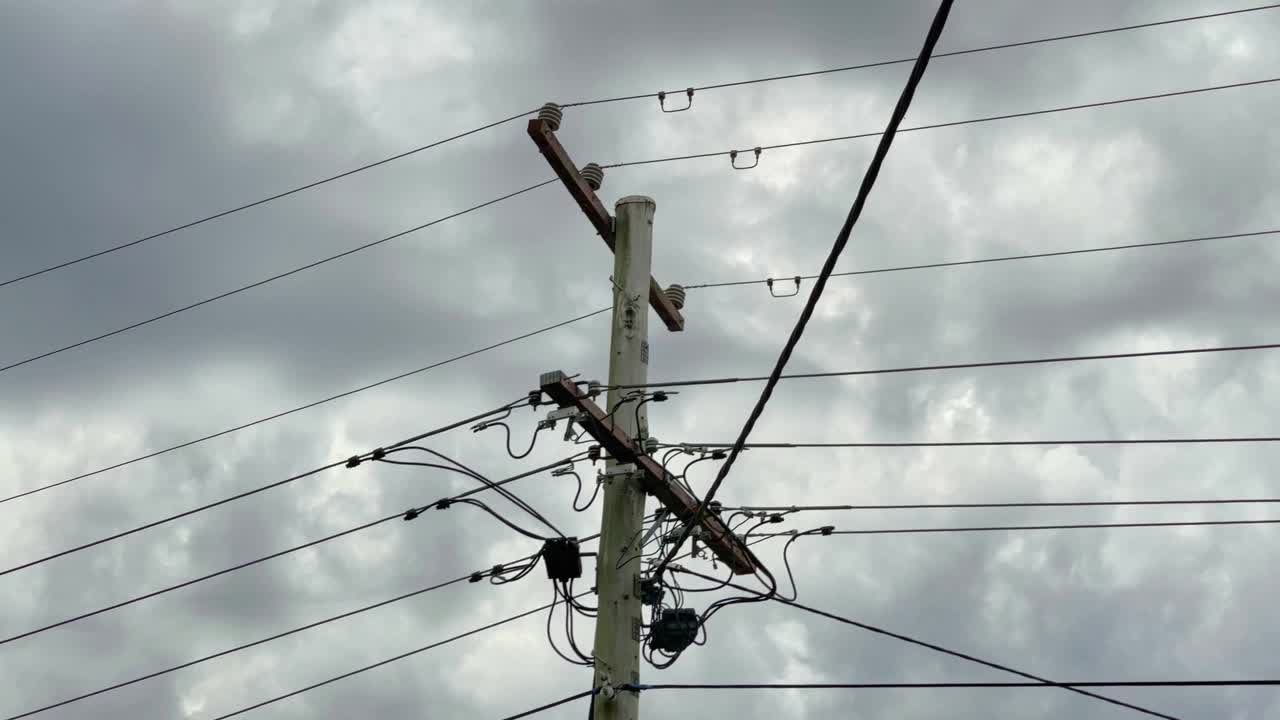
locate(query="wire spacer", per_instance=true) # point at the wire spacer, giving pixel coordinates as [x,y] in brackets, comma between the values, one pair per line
[733,160]
[769,282]
[662,101]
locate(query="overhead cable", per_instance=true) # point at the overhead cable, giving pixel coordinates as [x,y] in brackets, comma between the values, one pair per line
[940,685]
[998,443]
[1010,528]
[842,238]
[308,406]
[970,505]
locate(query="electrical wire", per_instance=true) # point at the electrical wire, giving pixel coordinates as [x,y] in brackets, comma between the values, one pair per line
[1002,528]
[1005,443]
[517,116]
[947,651]
[936,56]
[238,496]
[272,278]
[308,406]
[262,201]
[413,513]
[955,123]
[997,259]
[1028,504]
[963,366]
[940,685]
[842,238]
[548,706]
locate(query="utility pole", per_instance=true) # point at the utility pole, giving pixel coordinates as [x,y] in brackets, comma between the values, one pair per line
[630,474]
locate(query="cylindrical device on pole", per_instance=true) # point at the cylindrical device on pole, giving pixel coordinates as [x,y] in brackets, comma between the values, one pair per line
[617,641]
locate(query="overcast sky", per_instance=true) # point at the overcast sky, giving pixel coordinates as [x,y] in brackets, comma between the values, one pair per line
[124,118]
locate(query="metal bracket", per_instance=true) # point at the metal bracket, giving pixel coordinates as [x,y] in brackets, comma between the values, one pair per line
[662,101]
[733,160]
[769,282]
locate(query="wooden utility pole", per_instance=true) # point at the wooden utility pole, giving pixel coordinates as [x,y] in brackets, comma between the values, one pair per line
[630,473]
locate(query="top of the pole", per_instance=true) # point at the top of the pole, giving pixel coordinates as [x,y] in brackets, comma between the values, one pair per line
[629,199]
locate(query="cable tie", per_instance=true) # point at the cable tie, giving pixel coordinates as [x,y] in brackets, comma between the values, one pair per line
[379,453]
[444,504]
[660,396]
[719,455]
[827,529]
[775,518]
[497,570]
[412,514]
[353,461]
[476,577]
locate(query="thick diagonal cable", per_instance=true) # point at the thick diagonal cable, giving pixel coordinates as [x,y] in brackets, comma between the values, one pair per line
[938,648]
[997,259]
[271,279]
[470,577]
[956,123]
[272,556]
[263,201]
[246,493]
[842,239]
[307,406]
[959,366]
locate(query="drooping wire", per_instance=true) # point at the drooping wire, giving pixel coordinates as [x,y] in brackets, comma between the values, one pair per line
[943,685]
[1075,526]
[973,505]
[1006,443]
[842,238]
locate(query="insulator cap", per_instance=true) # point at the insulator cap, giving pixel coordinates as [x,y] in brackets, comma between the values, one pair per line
[675,295]
[551,114]
[593,174]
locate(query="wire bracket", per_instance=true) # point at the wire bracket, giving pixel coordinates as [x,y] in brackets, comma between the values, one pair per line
[769,283]
[662,101]
[733,159]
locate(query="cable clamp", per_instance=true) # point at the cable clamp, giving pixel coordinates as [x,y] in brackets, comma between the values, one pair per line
[444,504]
[662,101]
[827,529]
[733,159]
[411,514]
[476,577]
[354,461]
[769,283]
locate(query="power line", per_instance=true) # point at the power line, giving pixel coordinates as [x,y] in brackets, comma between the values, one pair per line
[937,685]
[955,123]
[307,406]
[937,648]
[996,443]
[273,278]
[517,116]
[1029,504]
[548,706]
[245,494]
[1002,528]
[953,53]
[413,513]
[983,261]
[959,366]
[842,238]
[262,201]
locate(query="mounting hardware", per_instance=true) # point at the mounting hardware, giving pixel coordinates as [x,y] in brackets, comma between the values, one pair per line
[551,114]
[769,283]
[715,507]
[594,388]
[593,453]
[662,101]
[651,445]
[675,295]
[650,592]
[660,396]
[476,577]
[535,398]
[411,514]
[563,558]
[675,630]
[719,455]
[353,461]
[444,504]
[733,160]
[593,174]
[827,529]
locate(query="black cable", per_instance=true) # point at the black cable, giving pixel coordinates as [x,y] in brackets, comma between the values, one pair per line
[287,551]
[1008,443]
[273,278]
[842,238]
[938,685]
[232,498]
[953,53]
[963,366]
[263,201]
[952,653]
[1046,503]
[310,405]
[578,493]
[1077,526]
[527,533]
[548,706]
[956,123]
[983,261]
[826,71]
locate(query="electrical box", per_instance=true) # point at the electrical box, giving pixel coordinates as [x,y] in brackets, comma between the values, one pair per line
[562,558]
[675,630]
[650,592]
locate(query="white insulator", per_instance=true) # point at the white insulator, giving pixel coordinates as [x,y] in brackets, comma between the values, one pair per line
[675,295]
[551,114]
[593,174]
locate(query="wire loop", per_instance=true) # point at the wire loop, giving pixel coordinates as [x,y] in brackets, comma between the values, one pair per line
[769,282]
[733,159]
[662,101]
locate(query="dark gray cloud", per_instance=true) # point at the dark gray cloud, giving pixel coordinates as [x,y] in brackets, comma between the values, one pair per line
[123,119]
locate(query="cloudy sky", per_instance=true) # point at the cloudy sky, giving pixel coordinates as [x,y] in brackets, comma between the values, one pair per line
[125,118]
